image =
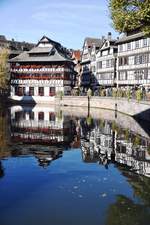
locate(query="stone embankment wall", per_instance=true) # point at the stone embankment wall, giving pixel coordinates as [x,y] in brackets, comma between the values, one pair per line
[131,107]
[124,121]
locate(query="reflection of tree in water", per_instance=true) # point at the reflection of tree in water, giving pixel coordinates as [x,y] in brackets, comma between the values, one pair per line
[126,212]
[87,125]
[3,130]
[140,185]
[4,134]
[1,170]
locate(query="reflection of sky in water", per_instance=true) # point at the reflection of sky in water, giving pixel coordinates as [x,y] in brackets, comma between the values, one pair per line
[68,190]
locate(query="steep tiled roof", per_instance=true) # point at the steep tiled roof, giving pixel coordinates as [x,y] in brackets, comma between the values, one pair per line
[77,54]
[94,41]
[49,52]
[126,38]
[3,38]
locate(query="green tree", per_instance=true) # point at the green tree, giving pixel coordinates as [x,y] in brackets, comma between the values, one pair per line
[139,95]
[128,15]
[4,77]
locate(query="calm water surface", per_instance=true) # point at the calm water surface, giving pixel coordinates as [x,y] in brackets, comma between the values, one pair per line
[59,167]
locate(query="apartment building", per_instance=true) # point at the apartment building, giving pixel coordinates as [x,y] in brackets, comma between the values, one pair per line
[106,63]
[133,60]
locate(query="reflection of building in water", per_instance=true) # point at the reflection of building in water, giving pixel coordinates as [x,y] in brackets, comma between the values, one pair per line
[39,125]
[103,144]
[135,155]
[46,157]
[98,141]
[44,132]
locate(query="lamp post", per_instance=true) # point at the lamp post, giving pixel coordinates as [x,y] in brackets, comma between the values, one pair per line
[89,94]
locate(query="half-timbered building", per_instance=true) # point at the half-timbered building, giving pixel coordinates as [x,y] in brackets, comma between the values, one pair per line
[41,73]
[88,61]
[106,63]
[133,63]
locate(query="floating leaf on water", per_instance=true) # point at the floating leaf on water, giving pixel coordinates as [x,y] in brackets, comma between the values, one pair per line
[80,196]
[75,187]
[104,195]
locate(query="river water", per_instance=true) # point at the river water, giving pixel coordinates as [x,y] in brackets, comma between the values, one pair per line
[73,167]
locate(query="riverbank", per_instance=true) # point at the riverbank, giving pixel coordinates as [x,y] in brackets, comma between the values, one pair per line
[132,107]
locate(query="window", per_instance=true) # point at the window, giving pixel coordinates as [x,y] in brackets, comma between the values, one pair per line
[41,91]
[120,61]
[144,58]
[120,48]
[31,91]
[136,60]
[125,60]
[137,44]
[141,74]
[41,116]
[112,62]
[106,76]
[20,91]
[130,75]
[122,75]
[141,59]
[99,65]
[52,117]
[108,63]
[85,56]
[31,115]
[144,42]
[128,46]
[52,91]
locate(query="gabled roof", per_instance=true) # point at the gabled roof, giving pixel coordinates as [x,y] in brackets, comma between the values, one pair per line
[51,51]
[40,50]
[127,38]
[111,42]
[93,41]
[77,55]
[47,40]
[3,38]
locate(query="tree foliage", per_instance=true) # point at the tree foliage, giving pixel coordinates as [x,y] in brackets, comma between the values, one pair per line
[128,15]
[3,68]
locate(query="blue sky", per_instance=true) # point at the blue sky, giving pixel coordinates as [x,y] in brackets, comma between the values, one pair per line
[65,21]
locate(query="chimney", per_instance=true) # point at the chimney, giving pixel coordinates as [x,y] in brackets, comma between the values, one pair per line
[103,38]
[109,36]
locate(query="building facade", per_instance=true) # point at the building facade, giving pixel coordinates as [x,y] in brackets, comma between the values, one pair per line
[42,73]
[133,61]
[14,47]
[124,62]
[88,61]
[76,57]
[106,63]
